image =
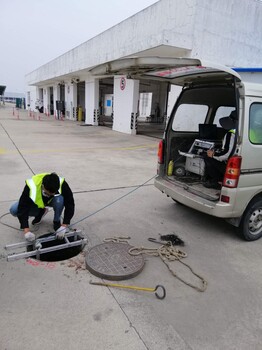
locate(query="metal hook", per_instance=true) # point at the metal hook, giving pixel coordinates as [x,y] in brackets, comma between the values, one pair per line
[134,287]
[163,290]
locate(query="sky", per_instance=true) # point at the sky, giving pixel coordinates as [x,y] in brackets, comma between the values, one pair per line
[34,32]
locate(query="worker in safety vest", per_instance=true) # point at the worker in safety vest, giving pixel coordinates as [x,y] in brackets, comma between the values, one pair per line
[42,191]
[216,161]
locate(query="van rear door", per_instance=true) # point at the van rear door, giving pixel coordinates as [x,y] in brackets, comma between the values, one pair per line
[178,71]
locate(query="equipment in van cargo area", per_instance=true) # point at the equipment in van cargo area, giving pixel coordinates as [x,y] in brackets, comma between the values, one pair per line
[199,146]
[195,165]
[207,131]
[194,160]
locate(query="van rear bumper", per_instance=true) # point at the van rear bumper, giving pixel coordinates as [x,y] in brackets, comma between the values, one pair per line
[182,195]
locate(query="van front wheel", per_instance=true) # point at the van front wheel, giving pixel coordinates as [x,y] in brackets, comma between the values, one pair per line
[251,222]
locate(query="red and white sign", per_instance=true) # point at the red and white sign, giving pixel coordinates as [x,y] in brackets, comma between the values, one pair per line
[122,83]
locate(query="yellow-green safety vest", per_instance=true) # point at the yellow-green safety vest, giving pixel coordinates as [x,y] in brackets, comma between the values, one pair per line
[35,187]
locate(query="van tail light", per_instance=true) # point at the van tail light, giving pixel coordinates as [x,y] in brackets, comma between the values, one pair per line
[232,172]
[160,152]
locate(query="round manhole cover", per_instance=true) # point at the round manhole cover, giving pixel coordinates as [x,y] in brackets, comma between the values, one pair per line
[113,262]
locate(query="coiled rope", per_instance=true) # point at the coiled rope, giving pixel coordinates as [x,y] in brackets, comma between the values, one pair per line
[168,253]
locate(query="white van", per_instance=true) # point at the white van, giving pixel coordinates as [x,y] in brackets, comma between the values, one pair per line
[209,93]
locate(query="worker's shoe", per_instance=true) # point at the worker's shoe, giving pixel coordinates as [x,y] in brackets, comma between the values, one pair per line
[40,216]
[56,225]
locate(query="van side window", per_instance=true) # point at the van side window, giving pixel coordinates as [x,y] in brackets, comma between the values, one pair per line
[255,123]
[188,116]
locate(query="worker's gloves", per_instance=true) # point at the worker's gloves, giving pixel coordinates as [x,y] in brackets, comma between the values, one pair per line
[60,233]
[29,236]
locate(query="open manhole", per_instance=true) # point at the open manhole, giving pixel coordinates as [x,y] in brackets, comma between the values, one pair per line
[112,261]
[59,254]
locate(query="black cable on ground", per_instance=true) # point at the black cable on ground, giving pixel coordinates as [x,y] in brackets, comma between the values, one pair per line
[86,217]
[17,149]
[89,215]
[116,200]
[15,228]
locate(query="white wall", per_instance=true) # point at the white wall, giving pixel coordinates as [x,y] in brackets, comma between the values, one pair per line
[228,32]
[252,77]
[31,93]
[209,29]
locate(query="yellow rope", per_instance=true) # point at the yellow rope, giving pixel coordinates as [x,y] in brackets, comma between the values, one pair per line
[115,239]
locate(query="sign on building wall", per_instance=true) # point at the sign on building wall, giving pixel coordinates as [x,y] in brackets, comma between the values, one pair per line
[122,83]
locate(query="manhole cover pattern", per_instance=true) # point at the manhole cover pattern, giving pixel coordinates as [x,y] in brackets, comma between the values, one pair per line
[113,262]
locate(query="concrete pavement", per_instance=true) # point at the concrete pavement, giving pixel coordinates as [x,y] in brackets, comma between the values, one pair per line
[52,305]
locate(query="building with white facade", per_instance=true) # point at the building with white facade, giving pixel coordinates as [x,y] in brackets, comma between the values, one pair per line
[227,32]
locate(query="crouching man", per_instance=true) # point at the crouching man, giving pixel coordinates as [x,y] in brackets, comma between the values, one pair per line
[41,191]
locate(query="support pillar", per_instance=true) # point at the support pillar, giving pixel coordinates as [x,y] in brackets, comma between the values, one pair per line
[71,100]
[46,100]
[56,91]
[126,99]
[36,97]
[92,101]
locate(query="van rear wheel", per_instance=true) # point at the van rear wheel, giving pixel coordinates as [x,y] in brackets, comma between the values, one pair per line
[251,223]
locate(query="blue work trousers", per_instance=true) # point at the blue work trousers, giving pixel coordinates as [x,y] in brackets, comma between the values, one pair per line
[57,203]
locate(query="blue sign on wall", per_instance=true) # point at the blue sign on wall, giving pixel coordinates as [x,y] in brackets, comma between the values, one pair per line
[108,103]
